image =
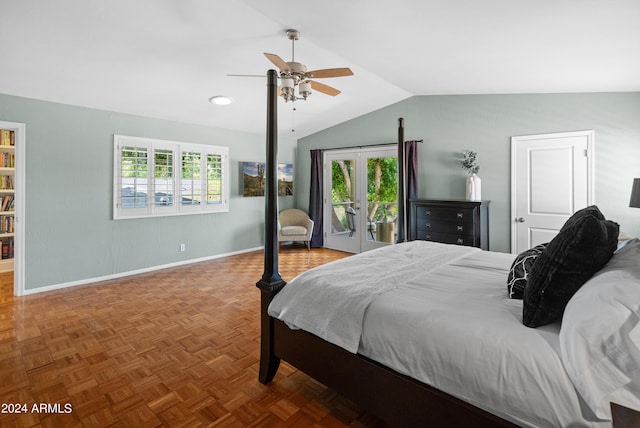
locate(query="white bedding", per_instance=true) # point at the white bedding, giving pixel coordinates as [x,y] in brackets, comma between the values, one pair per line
[448,323]
[334,297]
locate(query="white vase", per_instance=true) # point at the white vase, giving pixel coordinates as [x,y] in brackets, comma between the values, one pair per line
[474,187]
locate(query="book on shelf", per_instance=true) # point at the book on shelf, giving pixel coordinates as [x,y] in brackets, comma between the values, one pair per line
[7,160]
[7,137]
[7,203]
[6,182]
[7,248]
[7,224]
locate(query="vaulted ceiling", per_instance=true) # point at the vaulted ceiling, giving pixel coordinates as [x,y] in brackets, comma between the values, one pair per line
[166,58]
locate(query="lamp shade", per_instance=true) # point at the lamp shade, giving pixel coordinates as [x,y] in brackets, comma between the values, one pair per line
[635,194]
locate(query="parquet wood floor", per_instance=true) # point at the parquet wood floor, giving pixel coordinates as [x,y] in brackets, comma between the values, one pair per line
[177,348]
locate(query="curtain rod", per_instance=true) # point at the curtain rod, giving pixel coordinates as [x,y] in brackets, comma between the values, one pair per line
[371,145]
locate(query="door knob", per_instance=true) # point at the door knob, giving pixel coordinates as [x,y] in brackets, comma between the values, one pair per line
[520,220]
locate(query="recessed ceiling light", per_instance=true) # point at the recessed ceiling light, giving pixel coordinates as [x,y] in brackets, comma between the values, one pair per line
[221,100]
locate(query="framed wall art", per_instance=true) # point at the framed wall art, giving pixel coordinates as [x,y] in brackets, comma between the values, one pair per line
[253,179]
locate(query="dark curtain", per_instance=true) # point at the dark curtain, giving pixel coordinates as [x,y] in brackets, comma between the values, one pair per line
[315,199]
[409,187]
[411,168]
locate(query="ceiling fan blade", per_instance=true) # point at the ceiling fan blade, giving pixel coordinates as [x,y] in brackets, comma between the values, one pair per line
[325,89]
[330,72]
[277,61]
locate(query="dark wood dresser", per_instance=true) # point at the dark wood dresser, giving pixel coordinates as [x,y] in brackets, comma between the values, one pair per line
[450,221]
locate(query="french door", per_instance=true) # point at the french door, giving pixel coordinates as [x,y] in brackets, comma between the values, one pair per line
[360,198]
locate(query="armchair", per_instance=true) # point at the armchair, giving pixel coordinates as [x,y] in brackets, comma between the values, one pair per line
[295,225]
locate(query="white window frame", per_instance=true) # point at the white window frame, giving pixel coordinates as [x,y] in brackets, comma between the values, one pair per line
[153,209]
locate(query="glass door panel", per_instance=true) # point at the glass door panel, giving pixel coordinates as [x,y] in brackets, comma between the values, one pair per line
[341,203]
[351,177]
[382,199]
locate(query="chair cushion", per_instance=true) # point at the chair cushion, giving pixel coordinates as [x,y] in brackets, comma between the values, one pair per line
[293,230]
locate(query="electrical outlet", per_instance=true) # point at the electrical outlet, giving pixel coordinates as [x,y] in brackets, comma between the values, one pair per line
[183,248]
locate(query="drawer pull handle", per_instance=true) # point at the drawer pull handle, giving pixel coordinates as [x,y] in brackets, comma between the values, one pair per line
[460,215]
[460,241]
[428,237]
[427,212]
[428,226]
[459,228]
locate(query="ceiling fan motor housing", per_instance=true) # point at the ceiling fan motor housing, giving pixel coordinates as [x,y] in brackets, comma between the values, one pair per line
[296,70]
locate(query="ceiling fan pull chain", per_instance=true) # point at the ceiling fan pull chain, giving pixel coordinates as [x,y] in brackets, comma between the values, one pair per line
[293,111]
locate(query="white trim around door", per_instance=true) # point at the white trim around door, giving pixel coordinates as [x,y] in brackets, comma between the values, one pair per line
[19,204]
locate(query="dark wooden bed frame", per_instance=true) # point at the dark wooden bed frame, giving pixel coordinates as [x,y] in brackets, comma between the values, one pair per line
[395,398]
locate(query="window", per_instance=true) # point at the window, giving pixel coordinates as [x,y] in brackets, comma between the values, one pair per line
[163,178]
[134,177]
[214,179]
[157,177]
[191,182]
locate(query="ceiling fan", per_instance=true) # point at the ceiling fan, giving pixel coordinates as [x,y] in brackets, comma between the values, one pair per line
[294,74]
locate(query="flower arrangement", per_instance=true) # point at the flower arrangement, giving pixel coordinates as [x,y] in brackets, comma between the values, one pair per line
[469,162]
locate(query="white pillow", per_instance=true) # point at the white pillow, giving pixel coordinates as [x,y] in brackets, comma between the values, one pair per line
[600,334]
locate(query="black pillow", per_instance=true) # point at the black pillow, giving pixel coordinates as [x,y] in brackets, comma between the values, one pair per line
[520,268]
[583,246]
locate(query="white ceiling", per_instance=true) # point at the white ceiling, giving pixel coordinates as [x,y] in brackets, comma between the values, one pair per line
[166,58]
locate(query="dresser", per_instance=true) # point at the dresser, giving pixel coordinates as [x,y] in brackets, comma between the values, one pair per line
[459,222]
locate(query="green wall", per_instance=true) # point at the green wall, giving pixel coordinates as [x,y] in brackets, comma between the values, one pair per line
[485,123]
[70,234]
[71,237]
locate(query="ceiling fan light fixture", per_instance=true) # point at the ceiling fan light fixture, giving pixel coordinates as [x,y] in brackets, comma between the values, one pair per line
[304,89]
[287,89]
[221,100]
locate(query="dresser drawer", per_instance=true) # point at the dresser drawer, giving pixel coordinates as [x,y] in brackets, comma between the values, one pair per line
[441,226]
[446,238]
[445,213]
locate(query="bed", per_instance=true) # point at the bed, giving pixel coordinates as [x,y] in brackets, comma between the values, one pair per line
[441,315]
[427,333]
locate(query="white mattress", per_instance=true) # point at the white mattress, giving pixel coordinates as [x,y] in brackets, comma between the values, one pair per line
[448,323]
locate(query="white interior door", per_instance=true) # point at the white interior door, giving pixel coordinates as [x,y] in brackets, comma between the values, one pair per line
[360,198]
[551,179]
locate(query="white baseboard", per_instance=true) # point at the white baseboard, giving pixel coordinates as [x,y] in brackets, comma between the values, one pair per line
[133,272]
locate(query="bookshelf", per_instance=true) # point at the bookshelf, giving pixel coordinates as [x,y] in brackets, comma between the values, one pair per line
[7,197]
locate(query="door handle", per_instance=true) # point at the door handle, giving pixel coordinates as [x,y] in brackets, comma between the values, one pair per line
[520,220]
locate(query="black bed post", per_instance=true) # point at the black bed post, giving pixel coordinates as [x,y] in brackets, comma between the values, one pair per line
[271,282]
[401,184]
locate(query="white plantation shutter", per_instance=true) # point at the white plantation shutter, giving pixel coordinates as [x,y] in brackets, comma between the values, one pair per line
[158,178]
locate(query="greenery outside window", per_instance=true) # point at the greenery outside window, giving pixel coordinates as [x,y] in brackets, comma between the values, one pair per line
[159,178]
